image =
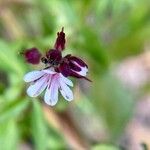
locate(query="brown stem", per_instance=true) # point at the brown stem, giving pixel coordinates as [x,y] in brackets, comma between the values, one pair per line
[63,123]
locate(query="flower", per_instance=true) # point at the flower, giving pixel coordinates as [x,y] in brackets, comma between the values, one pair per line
[52,82]
[54,77]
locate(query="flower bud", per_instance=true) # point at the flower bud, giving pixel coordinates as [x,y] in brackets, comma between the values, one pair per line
[32,56]
[54,56]
[60,41]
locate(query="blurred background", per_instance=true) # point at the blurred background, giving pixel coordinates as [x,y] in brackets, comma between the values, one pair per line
[112,112]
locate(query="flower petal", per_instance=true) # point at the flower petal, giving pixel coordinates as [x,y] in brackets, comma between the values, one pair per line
[66,91]
[66,80]
[51,94]
[48,71]
[83,71]
[32,76]
[38,87]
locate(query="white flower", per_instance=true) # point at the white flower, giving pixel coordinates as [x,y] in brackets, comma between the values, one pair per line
[51,81]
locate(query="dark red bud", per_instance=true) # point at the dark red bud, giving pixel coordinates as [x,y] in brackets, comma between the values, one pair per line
[67,70]
[54,55]
[60,41]
[74,67]
[67,56]
[64,69]
[76,75]
[78,61]
[75,63]
[32,56]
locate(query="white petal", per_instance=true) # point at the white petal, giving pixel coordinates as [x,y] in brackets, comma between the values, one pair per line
[83,71]
[34,75]
[51,94]
[49,71]
[38,87]
[66,91]
[66,80]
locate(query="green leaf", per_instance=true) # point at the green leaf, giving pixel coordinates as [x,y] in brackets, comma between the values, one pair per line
[39,128]
[104,147]
[114,102]
[8,135]
[9,60]
[13,109]
[44,137]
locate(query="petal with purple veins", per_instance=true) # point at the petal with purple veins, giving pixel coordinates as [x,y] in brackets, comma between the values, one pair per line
[38,87]
[51,94]
[66,91]
[66,80]
[83,71]
[48,71]
[32,76]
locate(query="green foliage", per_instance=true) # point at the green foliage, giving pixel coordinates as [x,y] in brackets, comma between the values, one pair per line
[43,137]
[114,102]
[39,130]
[10,64]
[9,137]
[14,108]
[104,147]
